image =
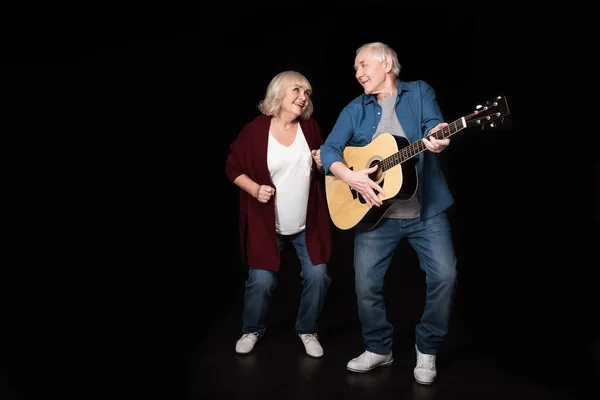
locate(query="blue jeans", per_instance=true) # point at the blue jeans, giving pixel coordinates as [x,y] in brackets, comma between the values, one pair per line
[373,251]
[261,283]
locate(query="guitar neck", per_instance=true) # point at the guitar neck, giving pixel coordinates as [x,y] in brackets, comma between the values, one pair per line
[408,152]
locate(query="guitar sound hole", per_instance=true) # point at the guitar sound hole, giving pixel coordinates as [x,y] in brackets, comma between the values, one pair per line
[375,176]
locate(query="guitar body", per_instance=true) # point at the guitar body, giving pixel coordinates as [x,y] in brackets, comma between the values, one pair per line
[346,206]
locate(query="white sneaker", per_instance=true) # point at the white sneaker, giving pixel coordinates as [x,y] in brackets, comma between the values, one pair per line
[367,361]
[425,371]
[311,344]
[246,343]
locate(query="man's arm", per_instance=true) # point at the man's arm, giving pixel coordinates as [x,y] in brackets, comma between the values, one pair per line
[335,143]
[432,120]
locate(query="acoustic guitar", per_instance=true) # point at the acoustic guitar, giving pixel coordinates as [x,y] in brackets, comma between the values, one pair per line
[397,172]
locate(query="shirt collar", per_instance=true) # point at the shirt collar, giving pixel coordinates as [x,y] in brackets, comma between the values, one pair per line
[371,98]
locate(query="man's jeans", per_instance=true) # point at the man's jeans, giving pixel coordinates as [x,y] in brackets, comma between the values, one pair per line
[372,256]
[261,283]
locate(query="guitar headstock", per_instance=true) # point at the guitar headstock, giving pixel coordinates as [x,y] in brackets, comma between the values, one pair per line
[490,113]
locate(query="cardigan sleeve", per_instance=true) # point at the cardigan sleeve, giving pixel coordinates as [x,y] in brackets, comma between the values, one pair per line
[238,160]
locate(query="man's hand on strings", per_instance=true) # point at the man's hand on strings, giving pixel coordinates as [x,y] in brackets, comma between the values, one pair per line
[363,184]
[436,145]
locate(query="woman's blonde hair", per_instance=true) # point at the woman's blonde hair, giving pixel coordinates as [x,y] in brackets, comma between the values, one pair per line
[271,104]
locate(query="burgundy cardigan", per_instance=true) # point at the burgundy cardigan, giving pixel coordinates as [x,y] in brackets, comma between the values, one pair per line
[248,155]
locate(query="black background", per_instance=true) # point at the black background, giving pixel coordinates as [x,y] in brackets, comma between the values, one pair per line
[118,222]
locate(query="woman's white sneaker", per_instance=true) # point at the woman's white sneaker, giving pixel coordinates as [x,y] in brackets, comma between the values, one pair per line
[311,344]
[368,360]
[425,371]
[246,343]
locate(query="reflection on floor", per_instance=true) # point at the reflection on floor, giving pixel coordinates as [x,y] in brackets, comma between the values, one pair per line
[135,311]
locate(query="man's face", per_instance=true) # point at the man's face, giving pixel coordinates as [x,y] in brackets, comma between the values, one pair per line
[369,73]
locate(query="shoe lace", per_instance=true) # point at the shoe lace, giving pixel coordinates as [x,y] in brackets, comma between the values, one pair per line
[307,337]
[247,335]
[426,361]
[367,355]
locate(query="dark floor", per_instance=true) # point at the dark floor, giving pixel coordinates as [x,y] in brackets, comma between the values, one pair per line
[100,308]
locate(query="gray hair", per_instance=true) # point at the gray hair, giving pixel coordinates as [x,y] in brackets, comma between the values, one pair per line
[379,51]
[271,104]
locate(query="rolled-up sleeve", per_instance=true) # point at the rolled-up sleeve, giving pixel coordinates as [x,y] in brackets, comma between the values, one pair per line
[432,115]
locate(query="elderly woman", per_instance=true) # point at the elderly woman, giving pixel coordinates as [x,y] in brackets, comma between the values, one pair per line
[275,161]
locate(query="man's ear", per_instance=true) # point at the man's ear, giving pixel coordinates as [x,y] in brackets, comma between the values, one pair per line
[388,64]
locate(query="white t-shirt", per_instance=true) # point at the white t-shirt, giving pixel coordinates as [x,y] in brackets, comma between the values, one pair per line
[290,169]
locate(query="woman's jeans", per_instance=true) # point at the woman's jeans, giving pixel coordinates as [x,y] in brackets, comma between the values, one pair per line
[373,253]
[261,283]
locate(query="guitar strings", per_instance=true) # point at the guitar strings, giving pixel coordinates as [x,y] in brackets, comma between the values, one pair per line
[413,149]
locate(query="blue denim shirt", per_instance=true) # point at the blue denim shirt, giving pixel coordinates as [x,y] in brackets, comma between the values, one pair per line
[418,112]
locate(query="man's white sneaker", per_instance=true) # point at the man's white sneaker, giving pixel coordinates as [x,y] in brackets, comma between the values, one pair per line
[246,343]
[425,371]
[311,344]
[368,360]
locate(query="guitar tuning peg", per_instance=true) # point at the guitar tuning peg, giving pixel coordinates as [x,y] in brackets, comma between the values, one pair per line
[492,125]
[478,106]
